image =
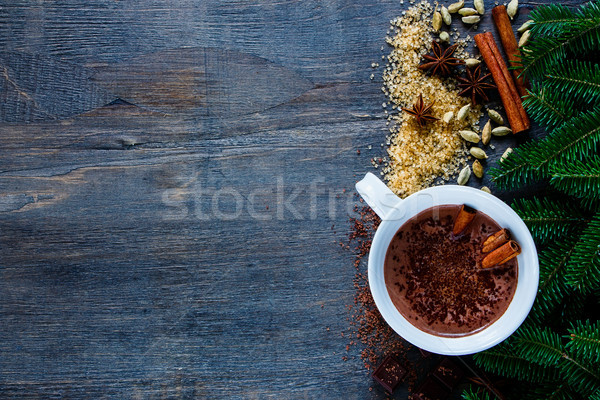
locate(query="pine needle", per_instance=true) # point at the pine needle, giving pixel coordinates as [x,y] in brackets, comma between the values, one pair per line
[574,81]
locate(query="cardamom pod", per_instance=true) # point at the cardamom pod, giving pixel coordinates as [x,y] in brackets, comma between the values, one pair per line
[448,117]
[471,19]
[446,16]
[436,21]
[479,6]
[478,153]
[501,131]
[486,189]
[505,154]
[486,133]
[469,136]
[472,62]
[464,175]
[526,26]
[496,117]
[462,113]
[454,7]
[477,169]
[444,37]
[511,8]
[465,12]
[524,39]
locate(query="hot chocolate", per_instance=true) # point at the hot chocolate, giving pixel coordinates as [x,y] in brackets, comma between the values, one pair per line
[435,279]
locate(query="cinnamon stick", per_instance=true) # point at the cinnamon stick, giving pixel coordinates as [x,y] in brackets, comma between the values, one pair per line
[502,254]
[463,219]
[495,240]
[511,48]
[511,100]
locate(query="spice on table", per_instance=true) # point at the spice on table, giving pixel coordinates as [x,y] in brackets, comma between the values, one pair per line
[496,117]
[421,112]
[501,131]
[446,16]
[511,48]
[472,62]
[475,85]
[477,169]
[455,7]
[526,26]
[421,156]
[441,62]
[512,8]
[505,154]
[465,12]
[486,133]
[469,136]
[509,95]
[464,175]
[462,113]
[486,189]
[524,39]
[471,19]
[478,153]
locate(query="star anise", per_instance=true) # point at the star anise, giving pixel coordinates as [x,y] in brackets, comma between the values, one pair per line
[441,62]
[421,112]
[474,85]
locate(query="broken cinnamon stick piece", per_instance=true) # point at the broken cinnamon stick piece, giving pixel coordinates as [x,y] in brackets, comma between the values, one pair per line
[496,240]
[463,219]
[501,255]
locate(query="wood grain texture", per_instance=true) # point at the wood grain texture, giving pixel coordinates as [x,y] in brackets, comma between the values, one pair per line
[170,173]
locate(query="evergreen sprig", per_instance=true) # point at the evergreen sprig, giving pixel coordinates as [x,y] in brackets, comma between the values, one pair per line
[584,340]
[583,269]
[531,161]
[548,219]
[578,178]
[579,35]
[548,107]
[544,347]
[504,360]
[552,287]
[576,80]
[472,394]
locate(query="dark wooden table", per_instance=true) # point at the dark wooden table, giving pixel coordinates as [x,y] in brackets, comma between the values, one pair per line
[174,178]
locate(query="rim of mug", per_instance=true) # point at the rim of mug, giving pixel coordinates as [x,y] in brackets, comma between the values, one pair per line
[512,318]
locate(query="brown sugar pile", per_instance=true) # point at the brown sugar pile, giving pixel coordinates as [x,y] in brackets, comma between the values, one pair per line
[420,156]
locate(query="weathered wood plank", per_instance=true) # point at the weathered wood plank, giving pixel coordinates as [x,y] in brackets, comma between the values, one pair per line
[166,223]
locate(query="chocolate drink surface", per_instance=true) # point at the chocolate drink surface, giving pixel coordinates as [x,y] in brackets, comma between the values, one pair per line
[433,277]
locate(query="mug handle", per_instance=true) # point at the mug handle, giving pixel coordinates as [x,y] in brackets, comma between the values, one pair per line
[378,196]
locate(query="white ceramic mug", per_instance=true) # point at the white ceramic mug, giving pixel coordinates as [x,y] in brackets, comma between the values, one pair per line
[394,212]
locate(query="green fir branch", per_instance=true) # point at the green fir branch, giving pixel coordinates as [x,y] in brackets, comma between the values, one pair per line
[544,347]
[472,393]
[584,340]
[531,161]
[553,19]
[574,81]
[555,390]
[578,36]
[548,219]
[540,346]
[552,287]
[548,107]
[578,178]
[578,136]
[503,360]
[515,170]
[583,269]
